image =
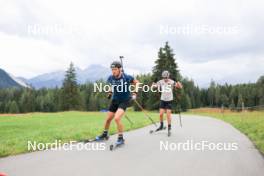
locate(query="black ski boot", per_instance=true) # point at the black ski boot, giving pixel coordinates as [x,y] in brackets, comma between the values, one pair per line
[161,127]
[103,136]
[120,140]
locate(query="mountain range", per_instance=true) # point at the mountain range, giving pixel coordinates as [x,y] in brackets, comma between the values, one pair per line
[53,79]
[6,80]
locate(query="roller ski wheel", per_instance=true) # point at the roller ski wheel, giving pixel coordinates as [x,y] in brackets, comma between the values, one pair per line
[118,144]
[96,139]
[154,131]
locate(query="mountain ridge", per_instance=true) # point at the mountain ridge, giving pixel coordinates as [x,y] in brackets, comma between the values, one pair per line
[7,81]
[55,79]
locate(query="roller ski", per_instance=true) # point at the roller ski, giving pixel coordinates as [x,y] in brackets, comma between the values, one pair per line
[102,137]
[158,129]
[120,142]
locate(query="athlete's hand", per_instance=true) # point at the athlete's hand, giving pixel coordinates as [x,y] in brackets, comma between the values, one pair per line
[154,84]
[134,96]
[178,85]
[109,95]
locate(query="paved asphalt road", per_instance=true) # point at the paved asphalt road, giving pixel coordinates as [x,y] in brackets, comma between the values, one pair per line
[142,154]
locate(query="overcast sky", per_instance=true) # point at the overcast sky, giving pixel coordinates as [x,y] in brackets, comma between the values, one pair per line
[219,40]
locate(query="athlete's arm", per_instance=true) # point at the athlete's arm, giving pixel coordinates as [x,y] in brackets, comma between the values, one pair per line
[109,92]
[135,91]
[136,83]
[156,84]
[178,85]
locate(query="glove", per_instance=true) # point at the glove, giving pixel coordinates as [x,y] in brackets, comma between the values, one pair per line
[134,96]
[154,84]
[109,95]
[178,85]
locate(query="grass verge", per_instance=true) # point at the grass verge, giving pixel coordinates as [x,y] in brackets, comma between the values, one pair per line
[249,123]
[17,130]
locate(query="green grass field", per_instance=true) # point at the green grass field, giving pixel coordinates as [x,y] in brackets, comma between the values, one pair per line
[249,123]
[17,130]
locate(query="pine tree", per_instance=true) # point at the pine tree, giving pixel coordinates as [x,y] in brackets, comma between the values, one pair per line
[224,100]
[27,101]
[260,92]
[240,102]
[13,107]
[211,93]
[185,102]
[165,61]
[70,95]
[232,106]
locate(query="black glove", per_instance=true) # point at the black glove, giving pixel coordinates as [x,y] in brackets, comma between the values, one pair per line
[109,95]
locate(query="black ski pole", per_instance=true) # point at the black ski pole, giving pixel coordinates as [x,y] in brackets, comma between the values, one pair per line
[121,60]
[131,123]
[178,102]
[179,109]
[180,116]
[144,111]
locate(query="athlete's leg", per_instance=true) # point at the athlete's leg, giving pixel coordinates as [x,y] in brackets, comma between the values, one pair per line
[120,128]
[161,119]
[168,111]
[161,112]
[118,115]
[110,116]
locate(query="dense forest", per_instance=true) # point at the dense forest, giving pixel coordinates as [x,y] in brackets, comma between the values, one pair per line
[72,96]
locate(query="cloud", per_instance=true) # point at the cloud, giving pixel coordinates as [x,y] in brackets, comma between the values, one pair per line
[238,69]
[97,32]
[27,57]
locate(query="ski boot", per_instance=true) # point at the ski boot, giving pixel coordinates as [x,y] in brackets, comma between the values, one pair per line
[103,136]
[120,141]
[161,127]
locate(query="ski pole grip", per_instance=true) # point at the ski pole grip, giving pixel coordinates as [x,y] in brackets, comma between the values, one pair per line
[109,96]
